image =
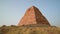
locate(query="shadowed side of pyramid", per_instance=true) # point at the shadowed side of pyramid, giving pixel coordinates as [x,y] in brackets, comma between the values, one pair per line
[40,19]
[33,16]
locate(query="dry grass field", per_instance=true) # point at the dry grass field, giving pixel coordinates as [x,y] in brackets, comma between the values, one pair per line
[29,29]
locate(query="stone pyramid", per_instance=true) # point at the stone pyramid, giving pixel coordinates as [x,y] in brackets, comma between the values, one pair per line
[33,16]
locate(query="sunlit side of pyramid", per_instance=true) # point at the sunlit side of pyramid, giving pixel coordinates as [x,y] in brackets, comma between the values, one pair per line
[33,16]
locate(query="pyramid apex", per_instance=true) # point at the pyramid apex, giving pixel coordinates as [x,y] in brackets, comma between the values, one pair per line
[33,6]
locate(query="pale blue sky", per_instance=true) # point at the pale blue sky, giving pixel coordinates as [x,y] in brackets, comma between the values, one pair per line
[11,11]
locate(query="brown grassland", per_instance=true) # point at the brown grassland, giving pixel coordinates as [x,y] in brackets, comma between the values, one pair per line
[29,29]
